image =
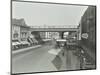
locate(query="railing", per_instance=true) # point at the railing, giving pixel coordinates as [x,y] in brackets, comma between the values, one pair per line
[59,26]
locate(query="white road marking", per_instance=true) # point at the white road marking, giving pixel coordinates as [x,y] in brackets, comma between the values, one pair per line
[54,51]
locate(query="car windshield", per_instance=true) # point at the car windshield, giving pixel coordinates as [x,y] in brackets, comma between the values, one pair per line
[15,41]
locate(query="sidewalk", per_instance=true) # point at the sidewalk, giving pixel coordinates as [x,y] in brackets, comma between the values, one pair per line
[91,54]
[25,49]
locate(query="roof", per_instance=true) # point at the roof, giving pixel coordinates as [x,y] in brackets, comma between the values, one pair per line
[19,22]
[61,40]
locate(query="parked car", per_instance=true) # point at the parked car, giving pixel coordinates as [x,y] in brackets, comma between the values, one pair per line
[60,42]
[72,44]
[25,43]
[16,44]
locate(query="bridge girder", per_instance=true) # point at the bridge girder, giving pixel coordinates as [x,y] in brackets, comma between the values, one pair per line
[54,29]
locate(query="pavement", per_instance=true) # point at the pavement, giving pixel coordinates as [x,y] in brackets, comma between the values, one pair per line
[72,61]
[25,49]
[35,60]
[91,54]
[43,58]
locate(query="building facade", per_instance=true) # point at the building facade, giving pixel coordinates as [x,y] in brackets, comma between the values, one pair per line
[20,31]
[15,32]
[88,24]
[88,33]
[24,33]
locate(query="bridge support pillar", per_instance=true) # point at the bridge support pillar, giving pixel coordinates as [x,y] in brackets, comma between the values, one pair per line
[61,34]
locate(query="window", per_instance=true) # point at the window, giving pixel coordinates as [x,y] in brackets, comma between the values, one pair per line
[15,35]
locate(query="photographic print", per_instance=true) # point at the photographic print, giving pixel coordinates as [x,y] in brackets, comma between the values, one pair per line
[52,37]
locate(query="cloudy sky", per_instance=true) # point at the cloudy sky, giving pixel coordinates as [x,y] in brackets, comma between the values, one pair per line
[47,14]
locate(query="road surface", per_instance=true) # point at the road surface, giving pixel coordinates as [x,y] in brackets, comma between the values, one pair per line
[44,58]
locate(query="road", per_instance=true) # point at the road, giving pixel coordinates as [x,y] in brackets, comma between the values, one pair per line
[44,59]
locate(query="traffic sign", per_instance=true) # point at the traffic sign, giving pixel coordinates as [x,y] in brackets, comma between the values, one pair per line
[84,35]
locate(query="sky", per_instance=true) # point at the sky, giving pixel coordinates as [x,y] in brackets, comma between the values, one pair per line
[39,14]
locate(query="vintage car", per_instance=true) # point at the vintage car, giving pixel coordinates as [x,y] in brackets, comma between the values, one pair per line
[60,43]
[16,44]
